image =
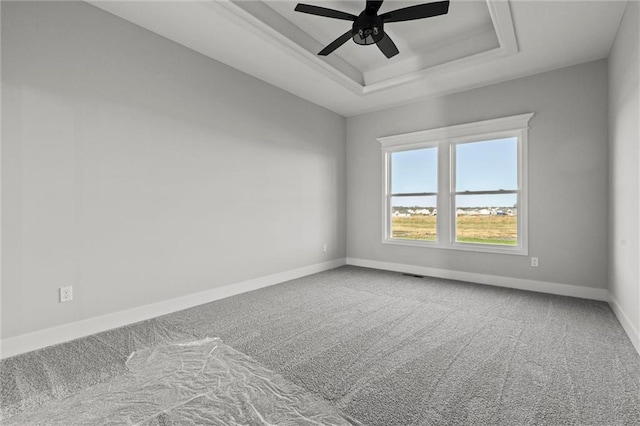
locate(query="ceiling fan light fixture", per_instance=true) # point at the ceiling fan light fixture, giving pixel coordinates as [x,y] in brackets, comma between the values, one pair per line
[368,36]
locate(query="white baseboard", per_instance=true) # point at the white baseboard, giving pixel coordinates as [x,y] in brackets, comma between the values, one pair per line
[495,280]
[627,325]
[63,333]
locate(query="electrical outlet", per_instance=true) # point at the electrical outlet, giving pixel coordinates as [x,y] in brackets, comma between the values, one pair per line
[324,248]
[66,294]
[534,262]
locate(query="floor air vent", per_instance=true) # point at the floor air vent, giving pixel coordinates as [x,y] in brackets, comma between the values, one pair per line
[413,275]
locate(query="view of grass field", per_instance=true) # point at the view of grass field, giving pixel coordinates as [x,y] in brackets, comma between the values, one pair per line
[485,229]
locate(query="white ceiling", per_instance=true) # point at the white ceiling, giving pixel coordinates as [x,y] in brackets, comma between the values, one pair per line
[477,43]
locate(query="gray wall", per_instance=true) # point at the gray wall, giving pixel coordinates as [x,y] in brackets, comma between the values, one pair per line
[567,175]
[138,171]
[624,114]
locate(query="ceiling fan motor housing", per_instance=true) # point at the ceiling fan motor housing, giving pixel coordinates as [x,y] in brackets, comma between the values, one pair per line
[368,29]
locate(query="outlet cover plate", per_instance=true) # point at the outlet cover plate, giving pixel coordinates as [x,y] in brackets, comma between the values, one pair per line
[66,294]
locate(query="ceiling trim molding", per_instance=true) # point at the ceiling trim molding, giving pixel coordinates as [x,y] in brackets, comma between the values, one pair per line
[465,62]
[500,12]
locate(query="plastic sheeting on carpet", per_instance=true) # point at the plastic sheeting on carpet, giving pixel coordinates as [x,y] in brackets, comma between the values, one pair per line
[199,382]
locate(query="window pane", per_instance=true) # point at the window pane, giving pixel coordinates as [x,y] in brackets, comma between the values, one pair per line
[487,219]
[414,171]
[488,165]
[413,218]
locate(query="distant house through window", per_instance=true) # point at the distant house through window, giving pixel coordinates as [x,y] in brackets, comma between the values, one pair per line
[460,187]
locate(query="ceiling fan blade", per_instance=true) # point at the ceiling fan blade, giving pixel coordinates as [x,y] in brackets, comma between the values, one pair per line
[419,11]
[372,7]
[323,11]
[336,43]
[387,46]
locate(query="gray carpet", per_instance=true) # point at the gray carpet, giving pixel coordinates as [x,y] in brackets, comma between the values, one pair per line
[386,349]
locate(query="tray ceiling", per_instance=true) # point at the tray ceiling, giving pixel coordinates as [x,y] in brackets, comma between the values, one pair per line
[477,43]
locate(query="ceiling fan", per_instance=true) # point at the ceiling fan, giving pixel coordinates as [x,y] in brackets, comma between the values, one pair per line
[368,27]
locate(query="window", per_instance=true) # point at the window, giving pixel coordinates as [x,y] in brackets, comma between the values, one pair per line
[414,190]
[461,187]
[486,192]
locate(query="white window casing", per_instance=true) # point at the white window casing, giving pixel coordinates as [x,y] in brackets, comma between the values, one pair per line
[445,139]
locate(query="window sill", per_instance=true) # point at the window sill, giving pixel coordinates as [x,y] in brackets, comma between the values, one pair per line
[481,248]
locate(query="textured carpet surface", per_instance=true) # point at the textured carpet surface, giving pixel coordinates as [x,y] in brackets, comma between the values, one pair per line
[387,349]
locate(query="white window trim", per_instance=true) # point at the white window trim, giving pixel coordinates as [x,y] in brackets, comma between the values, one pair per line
[444,138]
